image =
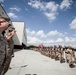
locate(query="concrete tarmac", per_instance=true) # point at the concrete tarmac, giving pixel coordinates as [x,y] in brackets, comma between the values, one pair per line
[29,62]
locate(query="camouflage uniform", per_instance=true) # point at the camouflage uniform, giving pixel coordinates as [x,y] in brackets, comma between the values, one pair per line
[61,55]
[57,54]
[11,46]
[3,52]
[8,56]
[53,53]
[50,52]
[70,57]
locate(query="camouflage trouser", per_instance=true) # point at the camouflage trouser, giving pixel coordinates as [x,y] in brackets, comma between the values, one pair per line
[6,65]
[11,46]
[2,54]
[2,58]
[53,55]
[69,59]
[9,53]
[7,61]
[61,58]
[5,55]
[57,56]
[50,54]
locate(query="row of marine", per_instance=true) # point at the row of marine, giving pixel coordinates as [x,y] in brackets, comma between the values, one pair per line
[59,53]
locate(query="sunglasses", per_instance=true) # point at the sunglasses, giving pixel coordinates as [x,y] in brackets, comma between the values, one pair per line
[2,21]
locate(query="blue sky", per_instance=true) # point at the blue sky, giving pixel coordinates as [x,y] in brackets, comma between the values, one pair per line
[47,22]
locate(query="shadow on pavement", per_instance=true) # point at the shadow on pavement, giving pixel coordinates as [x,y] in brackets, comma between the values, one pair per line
[15,50]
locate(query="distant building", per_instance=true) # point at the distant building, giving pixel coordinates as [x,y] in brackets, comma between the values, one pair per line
[20,40]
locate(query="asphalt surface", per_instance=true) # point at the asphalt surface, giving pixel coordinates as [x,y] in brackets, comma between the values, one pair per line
[29,62]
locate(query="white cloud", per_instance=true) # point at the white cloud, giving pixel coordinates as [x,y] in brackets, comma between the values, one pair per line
[33,38]
[59,40]
[65,4]
[35,3]
[73,40]
[73,45]
[49,9]
[44,6]
[1,0]
[36,41]
[29,32]
[48,42]
[67,40]
[73,24]
[33,33]
[12,15]
[50,16]
[52,6]
[15,9]
[70,41]
[54,33]
[40,33]
[33,41]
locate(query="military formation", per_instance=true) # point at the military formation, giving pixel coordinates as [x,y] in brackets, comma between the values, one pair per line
[59,53]
[6,44]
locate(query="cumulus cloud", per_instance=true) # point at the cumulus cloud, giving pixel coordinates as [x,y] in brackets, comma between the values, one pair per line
[51,6]
[67,39]
[15,9]
[70,41]
[65,4]
[49,9]
[29,32]
[12,11]
[12,15]
[54,33]
[40,33]
[33,40]
[50,16]
[73,24]
[36,41]
[48,42]
[35,3]
[44,6]
[59,40]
